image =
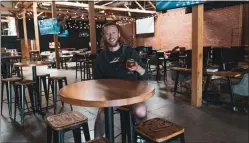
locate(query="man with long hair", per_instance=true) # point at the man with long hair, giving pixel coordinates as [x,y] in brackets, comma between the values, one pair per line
[110,64]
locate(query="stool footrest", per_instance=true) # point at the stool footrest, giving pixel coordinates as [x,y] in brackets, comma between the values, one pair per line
[102,140]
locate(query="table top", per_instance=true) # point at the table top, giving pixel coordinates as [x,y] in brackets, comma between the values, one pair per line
[243,64]
[219,73]
[106,93]
[32,63]
[66,56]
[11,57]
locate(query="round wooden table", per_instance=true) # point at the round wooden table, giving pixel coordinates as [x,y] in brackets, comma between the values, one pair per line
[106,93]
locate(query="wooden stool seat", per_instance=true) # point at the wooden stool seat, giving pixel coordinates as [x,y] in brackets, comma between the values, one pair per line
[57,77]
[102,140]
[25,82]
[65,120]
[11,79]
[125,108]
[43,75]
[159,130]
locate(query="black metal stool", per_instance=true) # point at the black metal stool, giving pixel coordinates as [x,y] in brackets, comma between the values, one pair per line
[57,125]
[42,81]
[9,83]
[87,70]
[80,59]
[31,85]
[52,81]
[127,124]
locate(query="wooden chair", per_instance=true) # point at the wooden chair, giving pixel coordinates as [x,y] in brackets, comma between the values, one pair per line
[57,125]
[159,130]
[241,89]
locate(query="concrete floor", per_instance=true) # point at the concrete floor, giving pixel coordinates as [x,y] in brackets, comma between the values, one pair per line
[207,124]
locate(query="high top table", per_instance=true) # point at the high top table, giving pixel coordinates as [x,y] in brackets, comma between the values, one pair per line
[106,93]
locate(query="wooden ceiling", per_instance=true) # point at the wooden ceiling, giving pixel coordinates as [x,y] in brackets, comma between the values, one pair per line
[75,10]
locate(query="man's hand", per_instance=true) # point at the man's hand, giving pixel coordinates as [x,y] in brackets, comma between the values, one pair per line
[137,68]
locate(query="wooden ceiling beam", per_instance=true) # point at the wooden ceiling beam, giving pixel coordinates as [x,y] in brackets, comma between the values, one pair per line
[68,13]
[139,5]
[152,4]
[103,7]
[8,9]
[108,3]
[26,5]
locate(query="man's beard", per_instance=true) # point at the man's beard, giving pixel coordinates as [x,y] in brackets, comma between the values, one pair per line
[111,45]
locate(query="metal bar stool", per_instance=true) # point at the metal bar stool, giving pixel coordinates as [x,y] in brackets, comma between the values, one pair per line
[158,130]
[42,81]
[8,82]
[52,81]
[80,59]
[57,125]
[31,85]
[127,124]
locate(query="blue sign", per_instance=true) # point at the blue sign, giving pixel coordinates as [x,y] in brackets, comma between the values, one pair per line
[49,26]
[167,4]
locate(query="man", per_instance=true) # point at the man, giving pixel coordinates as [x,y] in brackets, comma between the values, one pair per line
[110,64]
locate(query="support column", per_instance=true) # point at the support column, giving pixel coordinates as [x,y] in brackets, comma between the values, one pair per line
[197,54]
[134,34]
[25,48]
[92,34]
[157,31]
[17,27]
[245,24]
[37,42]
[57,55]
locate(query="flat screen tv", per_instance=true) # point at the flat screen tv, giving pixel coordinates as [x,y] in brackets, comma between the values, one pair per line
[49,26]
[162,5]
[145,25]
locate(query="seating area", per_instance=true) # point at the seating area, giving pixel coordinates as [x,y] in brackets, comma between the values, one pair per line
[124,71]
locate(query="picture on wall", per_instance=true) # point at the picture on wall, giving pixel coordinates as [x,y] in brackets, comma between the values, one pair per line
[49,26]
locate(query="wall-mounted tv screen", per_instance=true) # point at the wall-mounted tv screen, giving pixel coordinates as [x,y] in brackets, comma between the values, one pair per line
[166,5]
[49,26]
[145,25]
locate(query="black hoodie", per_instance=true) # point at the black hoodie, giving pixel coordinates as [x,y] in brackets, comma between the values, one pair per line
[111,65]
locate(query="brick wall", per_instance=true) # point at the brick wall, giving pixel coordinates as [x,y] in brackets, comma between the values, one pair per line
[176,28]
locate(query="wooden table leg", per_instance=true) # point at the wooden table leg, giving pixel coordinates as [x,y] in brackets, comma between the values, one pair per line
[109,125]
